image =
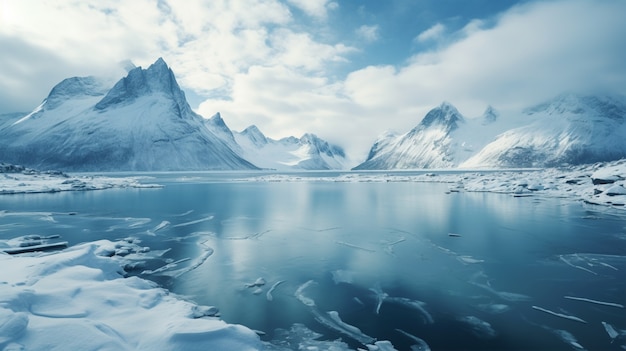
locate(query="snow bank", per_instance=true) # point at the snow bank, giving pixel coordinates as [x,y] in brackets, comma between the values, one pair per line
[79,299]
[20,180]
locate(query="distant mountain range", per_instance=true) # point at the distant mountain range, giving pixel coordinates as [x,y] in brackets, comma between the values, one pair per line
[308,152]
[144,123]
[567,130]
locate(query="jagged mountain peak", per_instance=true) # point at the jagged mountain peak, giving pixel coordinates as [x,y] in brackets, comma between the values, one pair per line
[157,78]
[309,138]
[217,121]
[255,135]
[445,114]
[322,146]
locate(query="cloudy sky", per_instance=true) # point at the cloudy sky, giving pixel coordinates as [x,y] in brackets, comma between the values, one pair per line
[346,70]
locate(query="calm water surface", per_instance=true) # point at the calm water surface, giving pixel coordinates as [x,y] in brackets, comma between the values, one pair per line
[379,254]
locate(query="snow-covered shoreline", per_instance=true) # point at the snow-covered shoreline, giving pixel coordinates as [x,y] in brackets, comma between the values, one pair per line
[599,184]
[20,180]
[79,299]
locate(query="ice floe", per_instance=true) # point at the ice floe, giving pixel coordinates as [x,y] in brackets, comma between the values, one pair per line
[162,225]
[299,337]
[469,259]
[331,319]
[205,219]
[383,297]
[568,338]
[561,315]
[300,294]
[260,281]
[269,295]
[79,299]
[613,334]
[612,304]
[171,269]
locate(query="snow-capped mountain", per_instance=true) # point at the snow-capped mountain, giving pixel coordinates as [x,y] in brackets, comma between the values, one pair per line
[570,129]
[142,123]
[443,139]
[307,153]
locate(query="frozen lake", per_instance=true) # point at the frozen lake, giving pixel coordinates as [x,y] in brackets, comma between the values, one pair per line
[396,260]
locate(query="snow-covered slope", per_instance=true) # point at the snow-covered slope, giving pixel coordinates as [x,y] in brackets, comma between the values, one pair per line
[428,145]
[307,153]
[570,129]
[142,123]
[443,139]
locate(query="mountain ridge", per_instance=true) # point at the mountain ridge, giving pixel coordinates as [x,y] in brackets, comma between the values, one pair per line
[569,129]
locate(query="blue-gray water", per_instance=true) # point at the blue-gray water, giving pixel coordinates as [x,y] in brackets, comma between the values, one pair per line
[355,239]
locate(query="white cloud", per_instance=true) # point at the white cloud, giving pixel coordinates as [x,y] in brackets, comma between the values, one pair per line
[301,50]
[530,53]
[205,42]
[368,33]
[433,33]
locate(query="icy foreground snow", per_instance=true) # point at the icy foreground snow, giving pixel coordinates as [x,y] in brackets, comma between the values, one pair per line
[78,299]
[20,180]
